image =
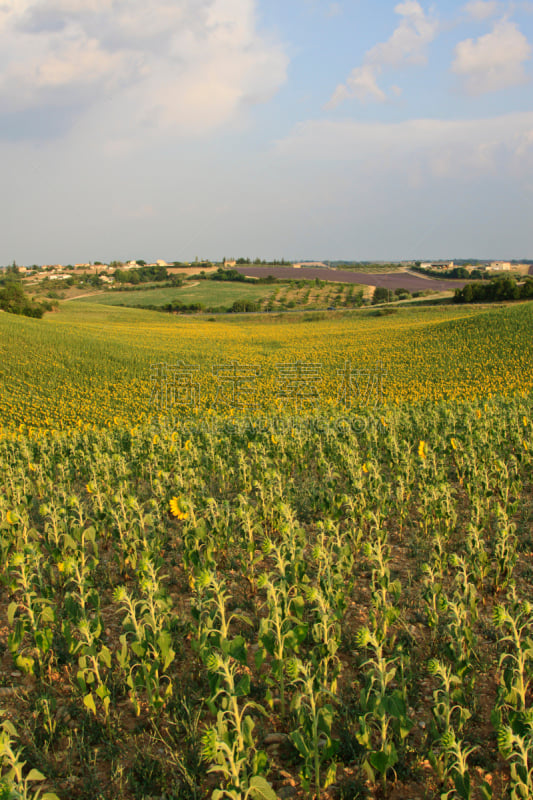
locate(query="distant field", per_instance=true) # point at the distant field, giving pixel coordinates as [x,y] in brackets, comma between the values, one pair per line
[218,295]
[373,269]
[209,293]
[392,280]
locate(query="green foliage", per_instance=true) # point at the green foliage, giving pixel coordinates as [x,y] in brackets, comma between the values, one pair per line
[515,742]
[313,739]
[145,274]
[497,290]
[382,295]
[14,300]
[14,785]
[291,582]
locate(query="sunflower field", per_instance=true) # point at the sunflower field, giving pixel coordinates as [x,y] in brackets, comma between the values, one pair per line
[98,365]
[259,592]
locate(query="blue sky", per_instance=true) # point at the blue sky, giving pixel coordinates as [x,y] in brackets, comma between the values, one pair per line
[356,129]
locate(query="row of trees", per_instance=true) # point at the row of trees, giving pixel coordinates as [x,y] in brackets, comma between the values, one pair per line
[229,275]
[259,262]
[497,290]
[145,274]
[240,306]
[233,276]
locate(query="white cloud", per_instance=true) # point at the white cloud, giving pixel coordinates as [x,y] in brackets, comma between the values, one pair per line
[178,64]
[361,83]
[482,9]
[421,149]
[493,62]
[407,46]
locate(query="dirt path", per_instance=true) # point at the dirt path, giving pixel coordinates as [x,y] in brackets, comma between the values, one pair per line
[77,296]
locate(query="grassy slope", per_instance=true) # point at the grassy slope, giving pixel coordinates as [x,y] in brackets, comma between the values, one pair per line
[209,293]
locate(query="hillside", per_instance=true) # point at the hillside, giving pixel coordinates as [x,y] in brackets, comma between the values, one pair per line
[91,363]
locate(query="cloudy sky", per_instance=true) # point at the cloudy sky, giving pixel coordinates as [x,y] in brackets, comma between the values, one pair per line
[356,129]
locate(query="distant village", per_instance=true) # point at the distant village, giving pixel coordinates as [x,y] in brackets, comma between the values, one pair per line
[59,272]
[493,266]
[105,272]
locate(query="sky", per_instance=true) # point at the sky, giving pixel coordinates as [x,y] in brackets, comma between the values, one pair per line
[302,129]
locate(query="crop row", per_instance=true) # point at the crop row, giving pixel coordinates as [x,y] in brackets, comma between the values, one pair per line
[318,611]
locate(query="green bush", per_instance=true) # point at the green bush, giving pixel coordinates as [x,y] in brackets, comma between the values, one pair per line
[14,300]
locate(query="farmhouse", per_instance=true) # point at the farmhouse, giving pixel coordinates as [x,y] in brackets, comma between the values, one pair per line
[498,266]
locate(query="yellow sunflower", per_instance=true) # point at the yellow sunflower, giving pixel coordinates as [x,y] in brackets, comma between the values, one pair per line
[177,508]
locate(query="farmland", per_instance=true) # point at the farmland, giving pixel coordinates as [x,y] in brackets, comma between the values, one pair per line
[219,296]
[95,361]
[206,292]
[326,596]
[387,280]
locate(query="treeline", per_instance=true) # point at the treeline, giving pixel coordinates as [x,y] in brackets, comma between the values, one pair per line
[258,262]
[233,276]
[142,275]
[497,290]
[229,275]
[240,306]
[177,307]
[14,300]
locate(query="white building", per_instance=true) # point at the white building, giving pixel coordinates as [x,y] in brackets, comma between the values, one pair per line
[499,266]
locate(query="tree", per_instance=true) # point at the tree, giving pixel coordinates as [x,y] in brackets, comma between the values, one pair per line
[14,300]
[526,290]
[381,295]
[401,293]
[468,293]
